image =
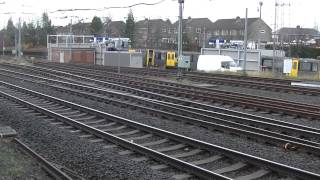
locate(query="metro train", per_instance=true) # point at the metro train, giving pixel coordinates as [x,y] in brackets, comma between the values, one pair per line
[304,67]
[167,59]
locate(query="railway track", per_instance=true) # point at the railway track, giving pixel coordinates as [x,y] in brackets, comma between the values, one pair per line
[52,170]
[193,157]
[173,72]
[277,85]
[210,96]
[264,129]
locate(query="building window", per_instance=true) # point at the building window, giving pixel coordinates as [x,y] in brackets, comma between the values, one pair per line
[164,30]
[169,31]
[224,32]
[198,30]
[233,32]
[164,40]
[175,31]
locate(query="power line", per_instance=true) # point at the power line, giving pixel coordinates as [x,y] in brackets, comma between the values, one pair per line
[113,7]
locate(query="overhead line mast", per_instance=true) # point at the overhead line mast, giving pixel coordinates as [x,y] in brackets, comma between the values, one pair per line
[180,31]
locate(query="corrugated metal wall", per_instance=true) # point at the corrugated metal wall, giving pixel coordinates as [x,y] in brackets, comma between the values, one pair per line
[123,59]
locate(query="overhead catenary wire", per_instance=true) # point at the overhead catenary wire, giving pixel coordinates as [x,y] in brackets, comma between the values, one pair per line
[112,7]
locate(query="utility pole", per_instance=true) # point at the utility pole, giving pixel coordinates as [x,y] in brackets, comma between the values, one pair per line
[16,43]
[259,31]
[3,48]
[147,41]
[204,38]
[245,42]
[19,39]
[181,2]
[274,36]
[70,40]
[180,31]
[70,30]
[119,42]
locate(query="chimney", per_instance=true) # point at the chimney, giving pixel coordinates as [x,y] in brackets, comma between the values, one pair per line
[238,20]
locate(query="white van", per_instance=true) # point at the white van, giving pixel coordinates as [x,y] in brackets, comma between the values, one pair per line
[217,63]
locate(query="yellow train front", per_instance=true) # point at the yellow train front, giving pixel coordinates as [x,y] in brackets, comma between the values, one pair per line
[167,59]
[295,68]
[171,60]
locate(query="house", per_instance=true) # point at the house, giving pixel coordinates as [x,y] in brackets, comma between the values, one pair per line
[154,33]
[78,28]
[162,34]
[197,31]
[297,34]
[233,29]
[115,28]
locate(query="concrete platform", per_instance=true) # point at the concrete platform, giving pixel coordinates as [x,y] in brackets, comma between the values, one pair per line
[7,132]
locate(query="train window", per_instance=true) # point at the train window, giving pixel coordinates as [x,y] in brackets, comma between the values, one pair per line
[294,65]
[314,67]
[305,66]
[268,63]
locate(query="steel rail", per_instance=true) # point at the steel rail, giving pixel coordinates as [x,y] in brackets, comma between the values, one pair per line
[106,69]
[277,167]
[245,82]
[256,84]
[276,105]
[252,118]
[173,72]
[49,167]
[247,118]
[209,121]
[184,166]
[218,93]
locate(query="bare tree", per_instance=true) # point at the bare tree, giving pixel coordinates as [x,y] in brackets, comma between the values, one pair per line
[106,25]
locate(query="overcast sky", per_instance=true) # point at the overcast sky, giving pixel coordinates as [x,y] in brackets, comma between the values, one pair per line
[300,12]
